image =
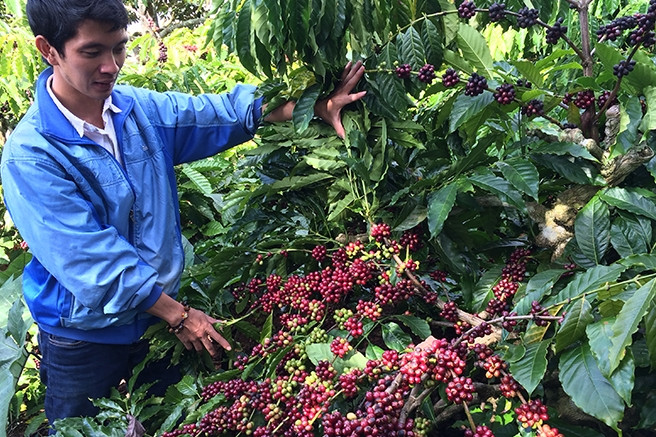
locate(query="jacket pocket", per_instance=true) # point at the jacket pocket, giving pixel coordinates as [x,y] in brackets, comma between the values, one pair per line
[84,318]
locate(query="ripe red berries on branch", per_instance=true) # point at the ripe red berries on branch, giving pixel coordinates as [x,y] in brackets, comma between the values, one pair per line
[467,9]
[533,108]
[527,17]
[555,32]
[505,94]
[426,73]
[403,71]
[450,78]
[497,11]
[624,67]
[475,85]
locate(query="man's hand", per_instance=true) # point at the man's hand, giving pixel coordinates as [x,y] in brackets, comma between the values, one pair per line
[330,109]
[197,331]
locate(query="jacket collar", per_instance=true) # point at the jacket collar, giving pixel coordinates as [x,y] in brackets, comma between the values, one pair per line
[57,125]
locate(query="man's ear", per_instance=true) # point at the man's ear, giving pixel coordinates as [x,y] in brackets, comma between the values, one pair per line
[48,52]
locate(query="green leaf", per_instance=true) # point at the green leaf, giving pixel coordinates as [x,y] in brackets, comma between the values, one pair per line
[319,352]
[267,329]
[592,229]
[530,369]
[244,39]
[630,121]
[394,337]
[599,334]
[630,235]
[538,286]
[440,205]
[522,174]
[198,179]
[649,120]
[475,49]
[374,352]
[418,326]
[483,291]
[324,159]
[394,94]
[530,72]
[578,317]
[7,390]
[650,334]
[465,108]
[500,187]
[564,149]
[304,109]
[433,43]
[588,281]
[411,48]
[623,378]
[626,323]
[574,171]
[646,262]
[629,200]
[296,182]
[351,361]
[187,386]
[588,388]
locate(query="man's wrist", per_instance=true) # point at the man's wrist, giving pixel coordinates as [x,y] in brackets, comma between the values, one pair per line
[175,328]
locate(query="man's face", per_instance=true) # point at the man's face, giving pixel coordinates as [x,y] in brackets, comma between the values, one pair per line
[86,71]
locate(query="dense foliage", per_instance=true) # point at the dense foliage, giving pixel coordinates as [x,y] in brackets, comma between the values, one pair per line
[475,258]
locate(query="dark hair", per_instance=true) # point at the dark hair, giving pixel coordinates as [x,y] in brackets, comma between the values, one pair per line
[58,20]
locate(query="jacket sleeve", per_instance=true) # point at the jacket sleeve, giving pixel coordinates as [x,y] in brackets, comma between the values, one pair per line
[93,262]
[195,127]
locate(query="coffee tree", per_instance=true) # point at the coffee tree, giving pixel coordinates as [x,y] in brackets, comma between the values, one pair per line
[473,259]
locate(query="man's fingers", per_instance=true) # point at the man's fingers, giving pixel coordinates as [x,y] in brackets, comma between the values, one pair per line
[346,71]
[215,336]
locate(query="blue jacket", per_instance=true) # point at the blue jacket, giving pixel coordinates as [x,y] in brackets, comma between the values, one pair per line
[106,239]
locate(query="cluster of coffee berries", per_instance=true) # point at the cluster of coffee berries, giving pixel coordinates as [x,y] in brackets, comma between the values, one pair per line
[527,17]
[475,85]
[467,9]
[537,311]
[547,431]
[163,53]
[584,99]
[524,83]
[460,389]
[555,32]
[497,11]
[532,413]
[603,98]
[450,78]
[615,28]
[623,68]
[380,231]
[450,311]
[505,94]
[534,108]
[340,347]
[644,31]
[481,431]
[426,73]
[319,252]
[403,71]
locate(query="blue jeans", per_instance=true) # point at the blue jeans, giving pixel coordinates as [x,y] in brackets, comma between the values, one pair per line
[74,371]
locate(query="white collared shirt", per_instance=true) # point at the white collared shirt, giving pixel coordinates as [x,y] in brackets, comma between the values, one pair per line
[104,137]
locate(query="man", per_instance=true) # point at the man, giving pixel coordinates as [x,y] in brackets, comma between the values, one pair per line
[89,181]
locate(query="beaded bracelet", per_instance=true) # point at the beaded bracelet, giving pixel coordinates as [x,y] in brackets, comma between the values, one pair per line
[180,326]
